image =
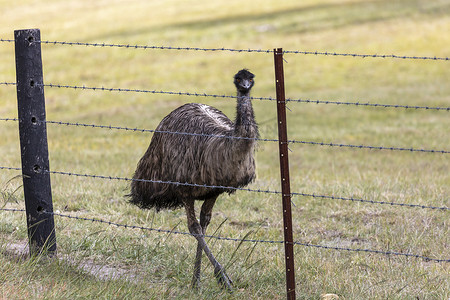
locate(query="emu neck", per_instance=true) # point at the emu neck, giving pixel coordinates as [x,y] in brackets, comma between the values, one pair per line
[245,125]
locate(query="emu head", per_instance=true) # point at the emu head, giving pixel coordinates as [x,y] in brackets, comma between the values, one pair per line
[243,80]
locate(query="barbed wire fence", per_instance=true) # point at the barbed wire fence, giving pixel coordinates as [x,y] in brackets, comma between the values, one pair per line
[145,47]
[196,94]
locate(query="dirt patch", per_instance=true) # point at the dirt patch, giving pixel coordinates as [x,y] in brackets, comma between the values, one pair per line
[101,271]
[16,250]
[20,251]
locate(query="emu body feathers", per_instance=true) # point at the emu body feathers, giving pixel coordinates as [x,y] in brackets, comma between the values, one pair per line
[200,149]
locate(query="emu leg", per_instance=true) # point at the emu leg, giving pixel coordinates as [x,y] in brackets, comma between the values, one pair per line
[219,271]
[197,231]
[205,218]
[197,267]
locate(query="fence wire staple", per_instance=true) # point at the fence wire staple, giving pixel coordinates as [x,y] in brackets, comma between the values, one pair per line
[261,241]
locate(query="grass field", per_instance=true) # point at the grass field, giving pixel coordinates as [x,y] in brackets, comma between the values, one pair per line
[151,265]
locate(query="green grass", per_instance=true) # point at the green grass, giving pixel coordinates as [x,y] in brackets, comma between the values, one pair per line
[157,265]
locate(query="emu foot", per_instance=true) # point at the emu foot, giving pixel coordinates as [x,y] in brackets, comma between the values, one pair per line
[223,279]
[195,283]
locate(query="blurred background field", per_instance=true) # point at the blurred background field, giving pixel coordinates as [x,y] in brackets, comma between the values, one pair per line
[155,265]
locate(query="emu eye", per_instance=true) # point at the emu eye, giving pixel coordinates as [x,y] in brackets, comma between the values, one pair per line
[238,80]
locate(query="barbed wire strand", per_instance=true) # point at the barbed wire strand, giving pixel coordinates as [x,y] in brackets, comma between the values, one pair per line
[247,190]
[362,104]
[236,239]
[312,195]
[12,209]
[369,147]
[308,101]
[354,103]
[10,168]
[245,138]
[253,98]
[316,53]
[443,208]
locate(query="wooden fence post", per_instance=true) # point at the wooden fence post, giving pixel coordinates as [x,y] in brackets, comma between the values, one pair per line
[33,142]
[284,168]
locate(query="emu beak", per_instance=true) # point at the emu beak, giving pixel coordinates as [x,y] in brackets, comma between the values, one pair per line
[246,84]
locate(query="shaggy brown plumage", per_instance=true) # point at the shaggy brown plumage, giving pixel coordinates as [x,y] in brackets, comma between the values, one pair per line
[204,160]
[219,160]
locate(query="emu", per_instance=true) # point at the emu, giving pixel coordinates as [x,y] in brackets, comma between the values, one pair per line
[213,151]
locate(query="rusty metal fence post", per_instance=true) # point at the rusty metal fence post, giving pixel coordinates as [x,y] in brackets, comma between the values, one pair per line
[33,142]
[284,168]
